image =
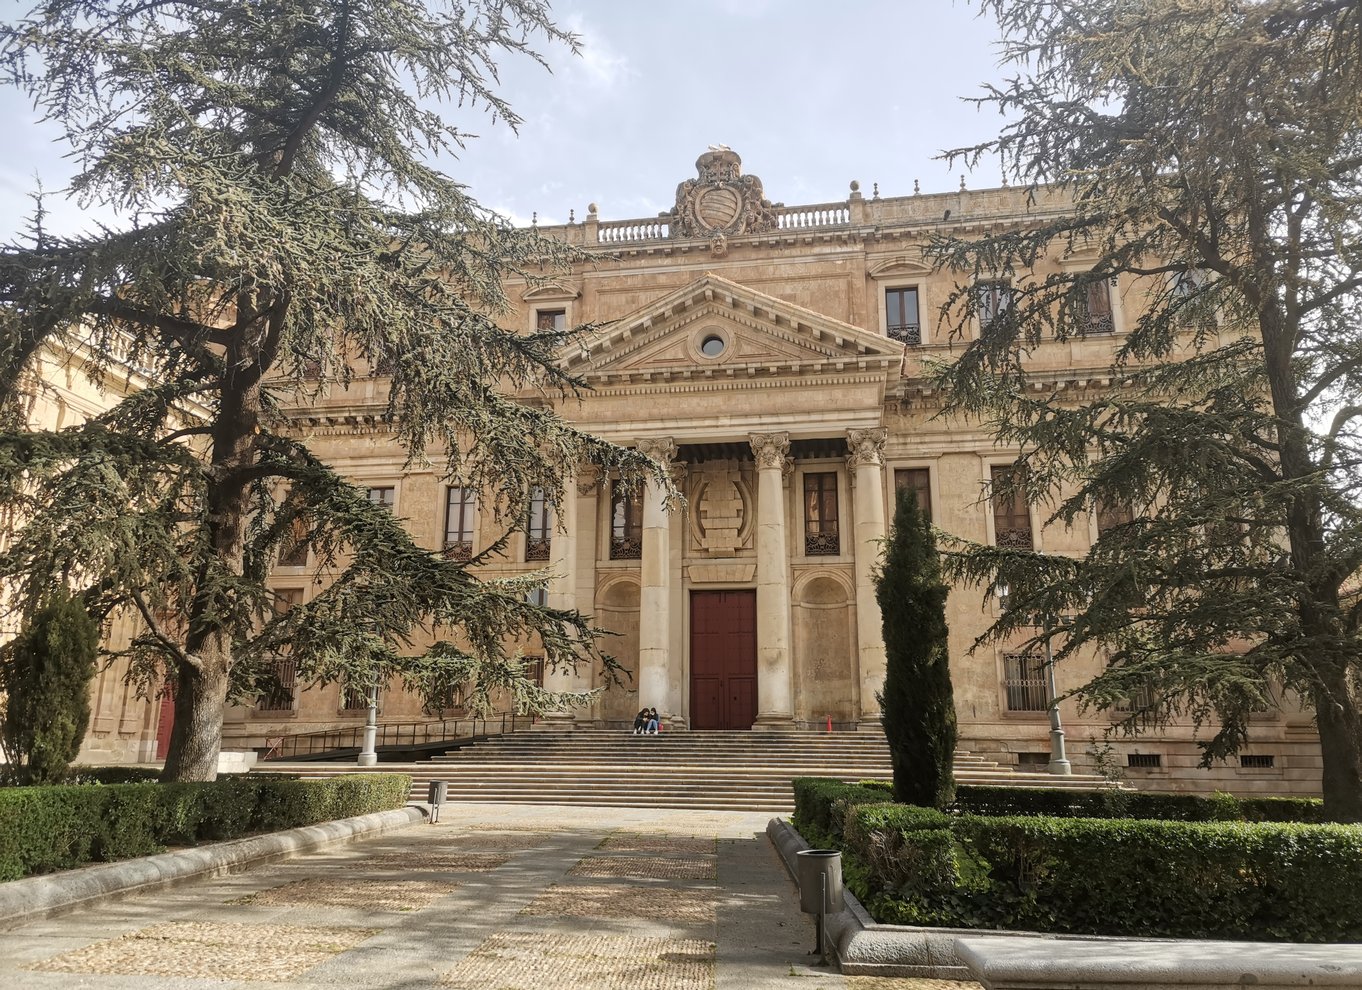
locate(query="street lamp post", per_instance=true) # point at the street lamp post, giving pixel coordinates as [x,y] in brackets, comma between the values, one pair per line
[368,756]
[1059,760]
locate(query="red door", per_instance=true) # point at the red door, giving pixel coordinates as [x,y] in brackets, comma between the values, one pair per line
[166,724]
[723,659]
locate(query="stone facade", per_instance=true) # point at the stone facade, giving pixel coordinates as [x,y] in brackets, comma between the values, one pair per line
[122,725]
[773,358]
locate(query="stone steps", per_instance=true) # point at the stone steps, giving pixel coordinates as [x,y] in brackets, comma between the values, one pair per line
[748,771]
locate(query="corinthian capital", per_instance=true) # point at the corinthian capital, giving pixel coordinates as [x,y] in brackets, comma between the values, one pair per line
[770,450]
[866,446]
[660,449]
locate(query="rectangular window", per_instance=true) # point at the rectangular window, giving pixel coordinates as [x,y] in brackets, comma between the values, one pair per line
[286,598]
[386,496]
[460,513]
[279,685]
[538,533]
[919,482]
[354,697]
[991,300]
[1011,515]
[1261,761]
[1109,516]
[901,316]
[278,695]
[293,551]
[821,537]
[1024,682]
[534,670]
[550,320]
[1144,761]
[626,524]
[539,596]
[1097,318]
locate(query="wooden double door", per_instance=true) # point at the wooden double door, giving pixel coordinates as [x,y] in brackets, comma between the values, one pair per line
[723,659]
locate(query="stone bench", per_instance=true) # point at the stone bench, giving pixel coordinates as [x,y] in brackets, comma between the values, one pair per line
[1025,963]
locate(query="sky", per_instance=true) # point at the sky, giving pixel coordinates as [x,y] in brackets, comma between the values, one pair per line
[811,93]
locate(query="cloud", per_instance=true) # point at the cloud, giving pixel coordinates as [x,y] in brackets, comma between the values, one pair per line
[599,65]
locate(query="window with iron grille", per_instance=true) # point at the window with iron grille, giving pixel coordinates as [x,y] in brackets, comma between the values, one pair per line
[450,700]
[1011,515]
[551,320]
[1113,514]
[1097,315]
[1144,761]
[278,695]
[460,515]
[1024,682]
[1138,699]
[534,670]
[821,535]
[385,496]
[354,697]
[1257,761]
[992,299]
[293,551]
[538,534]
[626,523]
[901,316]
[919,482]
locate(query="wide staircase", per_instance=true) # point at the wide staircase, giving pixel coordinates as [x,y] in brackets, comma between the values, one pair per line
[746,771]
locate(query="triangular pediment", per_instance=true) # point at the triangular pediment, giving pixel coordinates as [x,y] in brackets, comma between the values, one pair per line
[714,328]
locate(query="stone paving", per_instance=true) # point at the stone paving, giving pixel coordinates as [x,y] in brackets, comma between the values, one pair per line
[493,897]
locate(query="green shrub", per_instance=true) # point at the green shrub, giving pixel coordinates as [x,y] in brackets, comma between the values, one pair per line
[815,816]
[1191,877]
[46,685]
[55,828]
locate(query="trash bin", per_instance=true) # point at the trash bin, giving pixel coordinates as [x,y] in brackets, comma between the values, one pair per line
[439,790]
[820,881]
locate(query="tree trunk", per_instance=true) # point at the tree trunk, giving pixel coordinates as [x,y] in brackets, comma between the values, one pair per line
[1340,743]
[200,697]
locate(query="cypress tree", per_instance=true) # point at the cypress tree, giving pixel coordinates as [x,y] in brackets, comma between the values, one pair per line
[47,687]
[917,705]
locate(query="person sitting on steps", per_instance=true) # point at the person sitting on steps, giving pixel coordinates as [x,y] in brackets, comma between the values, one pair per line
[640,721]
[653,722]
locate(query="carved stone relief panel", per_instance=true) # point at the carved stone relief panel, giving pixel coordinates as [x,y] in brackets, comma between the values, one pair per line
[721,509]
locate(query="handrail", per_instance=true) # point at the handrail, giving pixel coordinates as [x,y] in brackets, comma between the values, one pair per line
[396,734]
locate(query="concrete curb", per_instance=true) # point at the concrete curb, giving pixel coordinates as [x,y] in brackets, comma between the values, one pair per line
[42,896]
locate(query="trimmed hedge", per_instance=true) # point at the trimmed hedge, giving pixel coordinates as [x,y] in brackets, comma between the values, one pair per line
[821,804]
[56,828]
[1105,876]
[1113,803]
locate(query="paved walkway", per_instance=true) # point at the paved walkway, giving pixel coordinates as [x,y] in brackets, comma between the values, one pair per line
[494,897]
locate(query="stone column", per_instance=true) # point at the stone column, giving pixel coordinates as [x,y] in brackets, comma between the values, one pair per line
[865,465]
[775,698]
[562,593]
[654,634]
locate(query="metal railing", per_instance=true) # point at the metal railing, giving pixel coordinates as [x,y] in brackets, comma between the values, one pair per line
[397,734]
